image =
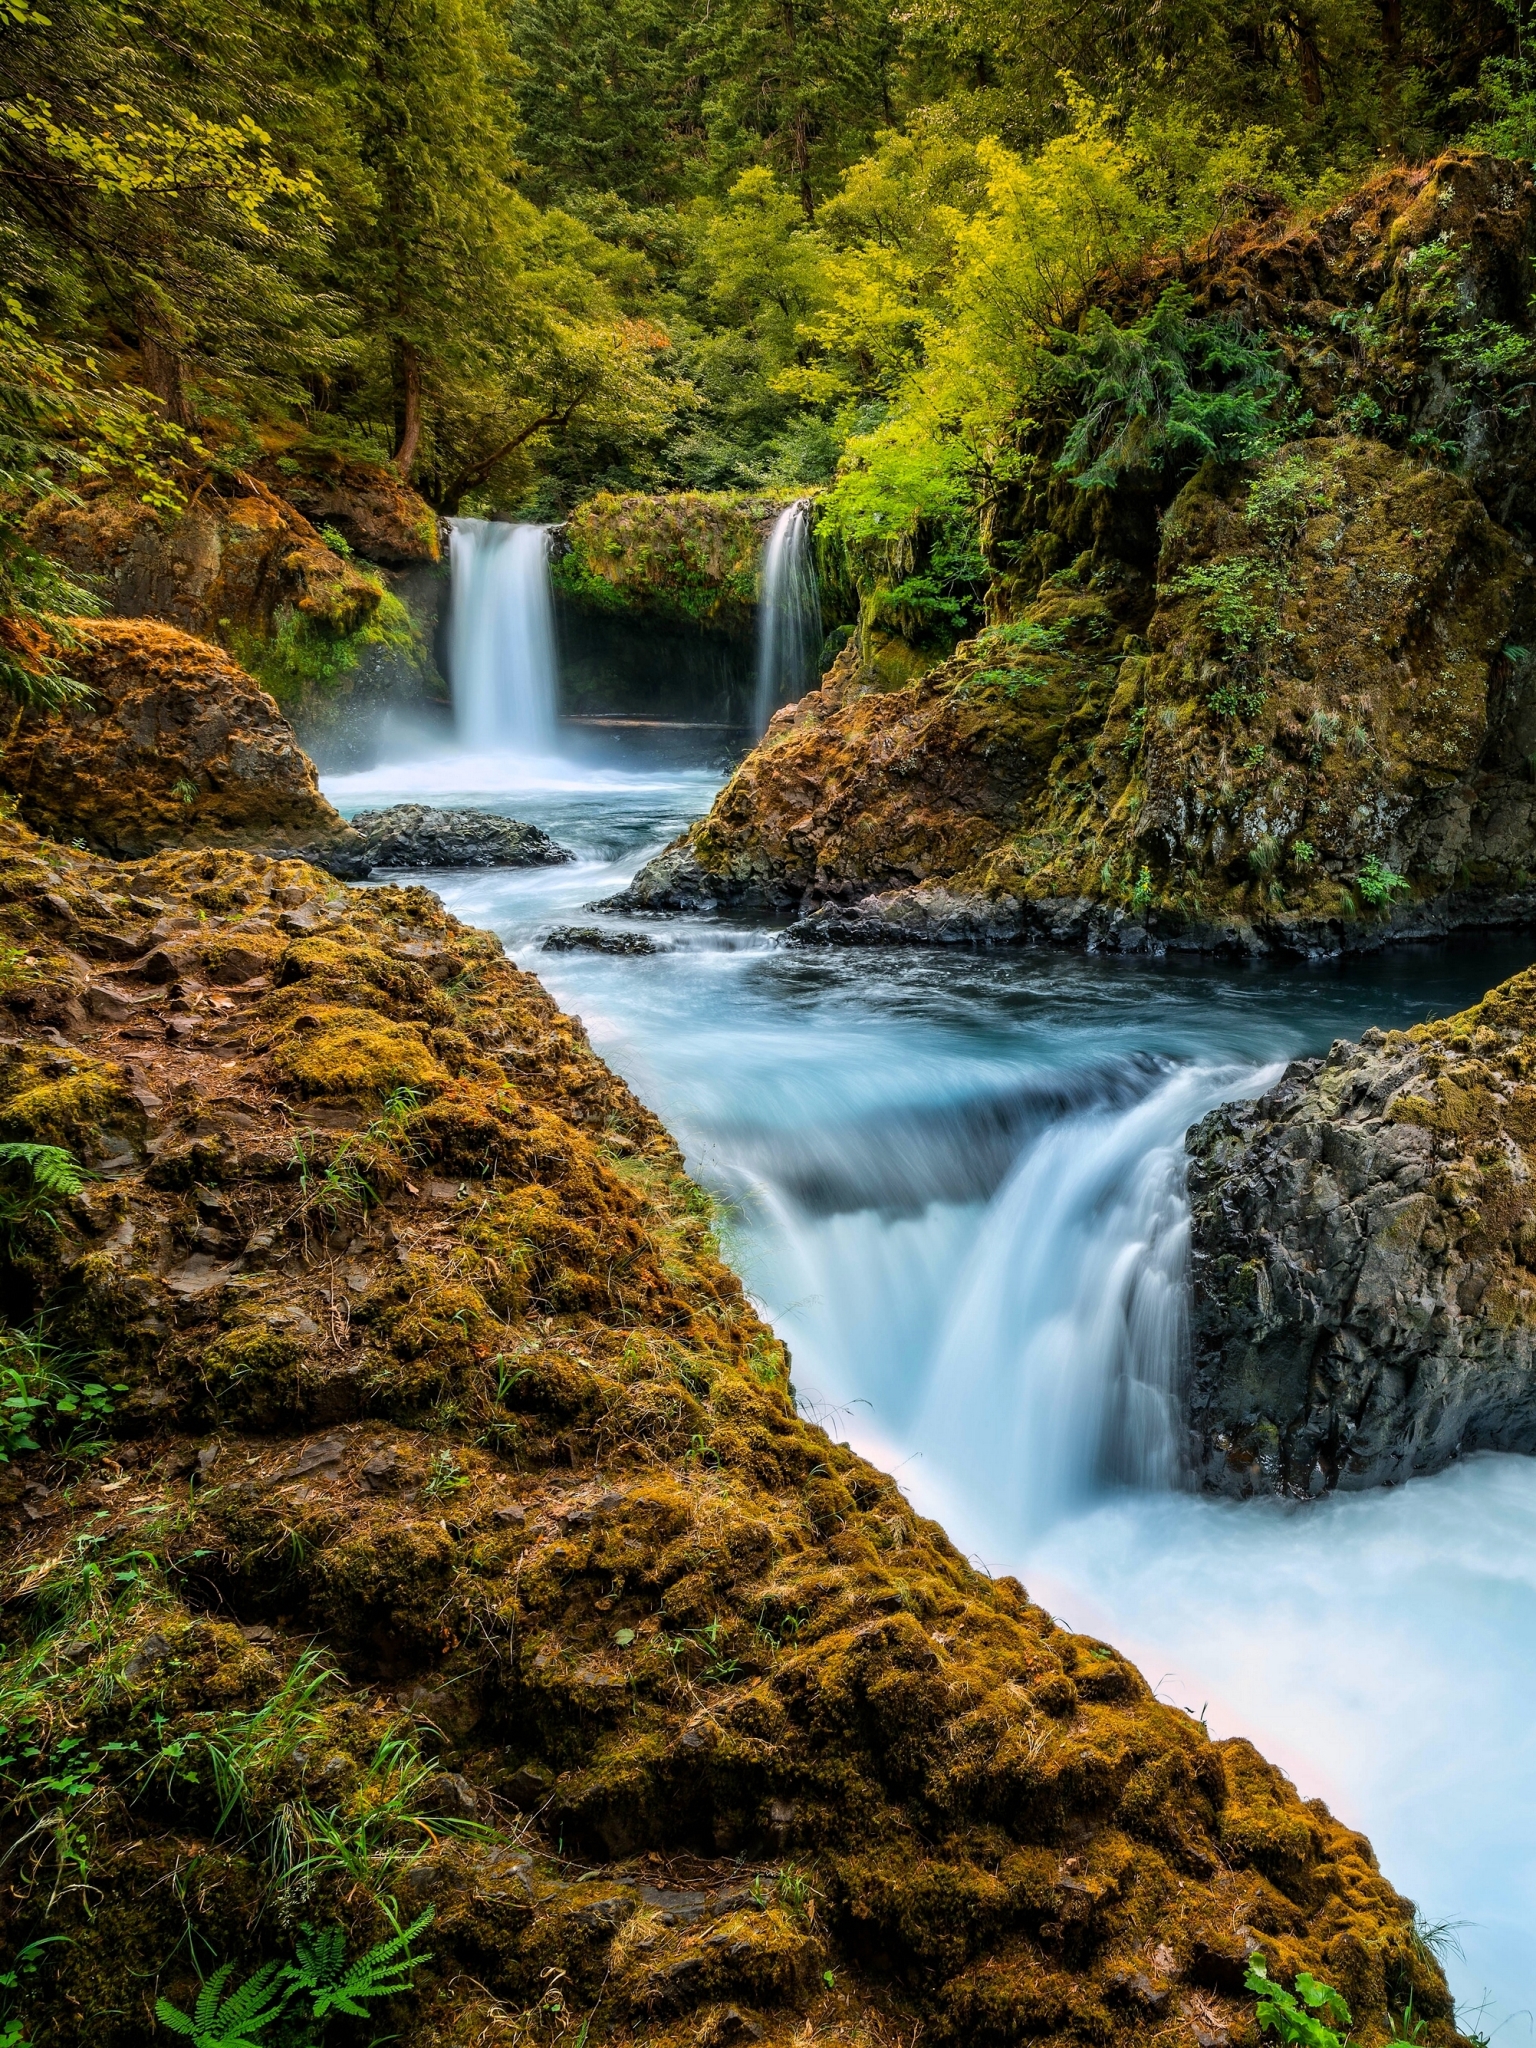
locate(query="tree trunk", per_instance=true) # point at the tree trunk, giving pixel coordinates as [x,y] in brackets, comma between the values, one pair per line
[1309,62]
[1392,31]
[162,365]
[802,155]
[407,406]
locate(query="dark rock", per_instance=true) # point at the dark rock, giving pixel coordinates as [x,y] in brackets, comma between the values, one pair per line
[530,1785]
[313,1458]
[590,938]
[418,836]
[1364,1294]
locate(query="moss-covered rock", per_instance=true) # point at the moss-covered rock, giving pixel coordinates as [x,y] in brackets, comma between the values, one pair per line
[172,745]
[690,556]
[1318,717]
[301,606]
[454,1542]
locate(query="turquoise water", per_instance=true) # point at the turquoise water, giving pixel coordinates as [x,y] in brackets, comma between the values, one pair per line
[955,1186]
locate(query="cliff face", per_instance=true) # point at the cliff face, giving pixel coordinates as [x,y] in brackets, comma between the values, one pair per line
[174,745]
[441,1530]
[1364,1244]
[1308,720]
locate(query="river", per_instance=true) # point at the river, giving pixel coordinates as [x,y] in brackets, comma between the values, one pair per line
[953,1182]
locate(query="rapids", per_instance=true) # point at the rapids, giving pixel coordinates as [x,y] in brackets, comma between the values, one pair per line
[954,1183]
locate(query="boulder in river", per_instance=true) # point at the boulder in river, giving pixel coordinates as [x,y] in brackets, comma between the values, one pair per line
[174,745]
[419,836]
[1364,1253]
[591,938]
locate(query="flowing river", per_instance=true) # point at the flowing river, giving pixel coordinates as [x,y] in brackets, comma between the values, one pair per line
[954,1184]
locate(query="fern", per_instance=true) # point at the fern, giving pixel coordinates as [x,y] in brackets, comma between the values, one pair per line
[233,2022]
[321,1971]
[54,1171]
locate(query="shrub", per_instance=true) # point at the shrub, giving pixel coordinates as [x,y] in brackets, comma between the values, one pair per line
[1168,392]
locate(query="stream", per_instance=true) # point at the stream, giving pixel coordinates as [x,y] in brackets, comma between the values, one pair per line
[954,1184]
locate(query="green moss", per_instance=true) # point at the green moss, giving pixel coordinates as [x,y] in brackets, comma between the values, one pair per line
[692,556]
[310,654]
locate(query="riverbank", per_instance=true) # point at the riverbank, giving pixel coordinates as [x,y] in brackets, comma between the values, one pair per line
[867,1115]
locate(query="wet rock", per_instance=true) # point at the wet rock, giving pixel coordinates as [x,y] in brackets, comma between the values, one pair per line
[591,938]
[419,836]
[1364,1260]
[175,746]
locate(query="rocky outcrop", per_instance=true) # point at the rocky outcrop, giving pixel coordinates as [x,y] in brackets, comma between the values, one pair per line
[242,567]
[173,745]
[1308,722]
[688,556]
[1365,1259]
[419,836]
[852,795]
[375,512]
[445,1486]
[225,567]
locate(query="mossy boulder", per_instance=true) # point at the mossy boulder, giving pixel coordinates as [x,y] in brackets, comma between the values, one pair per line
[173,744]
[687,556]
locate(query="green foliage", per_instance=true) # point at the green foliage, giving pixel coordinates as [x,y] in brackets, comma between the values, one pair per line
[1226,591]
[1379,884]
[1167,393]
[1291,2016]
[256,2013]
[48,1396]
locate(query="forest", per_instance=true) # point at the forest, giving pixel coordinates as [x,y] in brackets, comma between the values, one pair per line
[528,249]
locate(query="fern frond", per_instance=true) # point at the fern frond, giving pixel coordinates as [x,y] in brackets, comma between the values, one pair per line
[54,1171]
[236,2021]
[385,1969]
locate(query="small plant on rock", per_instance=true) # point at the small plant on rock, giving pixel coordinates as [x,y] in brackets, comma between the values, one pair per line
[1378,883]
[1291,2015]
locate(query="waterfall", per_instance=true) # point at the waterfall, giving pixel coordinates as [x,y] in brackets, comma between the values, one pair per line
[1069,1325]
[1018,1264]
[501,643]
[789,614]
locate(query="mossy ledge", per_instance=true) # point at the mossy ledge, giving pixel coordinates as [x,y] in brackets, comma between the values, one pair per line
[454,1540]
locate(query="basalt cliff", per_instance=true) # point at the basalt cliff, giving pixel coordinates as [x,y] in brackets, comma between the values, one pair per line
[1364,1258]
[409,1523]
[1282,704]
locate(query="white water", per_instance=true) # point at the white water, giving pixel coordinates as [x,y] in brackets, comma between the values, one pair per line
[957,1188]
[501,641]
[788,614]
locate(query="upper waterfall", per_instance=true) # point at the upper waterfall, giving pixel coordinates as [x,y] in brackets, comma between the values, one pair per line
[789,615]
[501,644]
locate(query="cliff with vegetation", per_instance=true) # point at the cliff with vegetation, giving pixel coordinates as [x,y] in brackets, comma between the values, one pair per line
[307,609]
[1283,703]
[410,1525]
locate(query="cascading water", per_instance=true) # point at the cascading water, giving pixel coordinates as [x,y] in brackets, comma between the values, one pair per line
[958,1183]
[501,643]
[789,614]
